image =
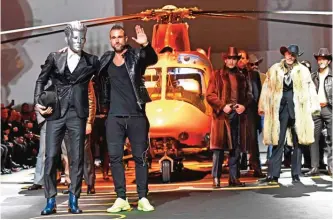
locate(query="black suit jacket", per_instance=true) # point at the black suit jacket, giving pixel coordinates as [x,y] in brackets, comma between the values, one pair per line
[74,87]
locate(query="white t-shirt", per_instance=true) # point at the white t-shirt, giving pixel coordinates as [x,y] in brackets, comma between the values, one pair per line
[321,91]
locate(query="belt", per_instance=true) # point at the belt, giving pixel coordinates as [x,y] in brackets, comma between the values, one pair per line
[323,105]
[122,116]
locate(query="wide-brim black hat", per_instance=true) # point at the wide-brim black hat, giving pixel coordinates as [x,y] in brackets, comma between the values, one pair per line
[293,49]
[48,98]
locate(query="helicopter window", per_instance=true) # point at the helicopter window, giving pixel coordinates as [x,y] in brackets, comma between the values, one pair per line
[185,84]
[153,79]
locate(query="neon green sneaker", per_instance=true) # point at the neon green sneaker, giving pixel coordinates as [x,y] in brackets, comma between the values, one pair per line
[144,205]
[119,205]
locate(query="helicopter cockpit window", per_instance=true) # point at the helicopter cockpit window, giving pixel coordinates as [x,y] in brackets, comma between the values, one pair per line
[185,84]
[153,78]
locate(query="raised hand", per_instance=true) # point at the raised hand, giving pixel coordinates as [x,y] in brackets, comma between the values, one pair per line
[141,37]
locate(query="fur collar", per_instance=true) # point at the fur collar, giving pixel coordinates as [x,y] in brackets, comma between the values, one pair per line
[284,67]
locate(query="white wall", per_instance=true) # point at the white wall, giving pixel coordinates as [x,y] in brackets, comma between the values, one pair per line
[21,61]
[309,39]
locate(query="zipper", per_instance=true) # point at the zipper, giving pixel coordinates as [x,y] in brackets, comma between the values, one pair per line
[102,67]
[135,92]
[325,87]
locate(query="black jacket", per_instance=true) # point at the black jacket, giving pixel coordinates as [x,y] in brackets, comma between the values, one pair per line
[253,116]
[327,84]
[136,62]
[73,88]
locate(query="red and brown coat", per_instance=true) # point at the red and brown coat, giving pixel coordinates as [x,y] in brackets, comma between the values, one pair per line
[218,95]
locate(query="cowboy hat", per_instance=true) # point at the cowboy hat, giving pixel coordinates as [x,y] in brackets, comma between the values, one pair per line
[323,52]
[232,52]
[254,59]
[293,49]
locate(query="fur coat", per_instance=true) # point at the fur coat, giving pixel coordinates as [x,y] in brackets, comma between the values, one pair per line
[305,100]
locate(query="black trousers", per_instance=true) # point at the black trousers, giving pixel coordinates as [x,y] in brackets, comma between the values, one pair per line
[254,159]
[274,165]
[55,132]
[4,155]
[307,155]
[99,138]
[136,129]
[234,155]
[325,117]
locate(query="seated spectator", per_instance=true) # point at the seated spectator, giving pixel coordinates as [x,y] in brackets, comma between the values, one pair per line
[25,111]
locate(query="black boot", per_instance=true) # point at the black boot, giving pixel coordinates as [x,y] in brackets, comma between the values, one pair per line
[259,174]
[91,189]
[216,182]
[35,187]
[296,179]
[66,191]
[235,182]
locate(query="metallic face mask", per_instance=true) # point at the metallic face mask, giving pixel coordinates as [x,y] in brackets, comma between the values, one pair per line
[76,41]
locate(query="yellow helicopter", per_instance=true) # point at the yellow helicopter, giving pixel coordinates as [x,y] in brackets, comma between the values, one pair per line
[179,114]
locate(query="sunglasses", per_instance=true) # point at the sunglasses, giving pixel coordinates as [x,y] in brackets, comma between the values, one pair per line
[232,57]
[254,64]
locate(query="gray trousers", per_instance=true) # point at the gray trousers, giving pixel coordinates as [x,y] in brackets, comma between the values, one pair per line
[55,132]
[39,170]
[324,117]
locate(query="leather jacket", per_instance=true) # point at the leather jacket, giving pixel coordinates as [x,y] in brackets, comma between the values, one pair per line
[136,62]
[327,84]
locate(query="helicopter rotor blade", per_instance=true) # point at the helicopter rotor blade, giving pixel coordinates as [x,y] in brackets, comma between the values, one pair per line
[93,23]
[326,13]
[60,31]
[222,15]
[110,19]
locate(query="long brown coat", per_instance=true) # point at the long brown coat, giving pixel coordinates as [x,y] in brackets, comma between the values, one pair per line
[218,95]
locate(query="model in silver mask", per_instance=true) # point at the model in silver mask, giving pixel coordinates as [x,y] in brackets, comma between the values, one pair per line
[70,73]
[76,36]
